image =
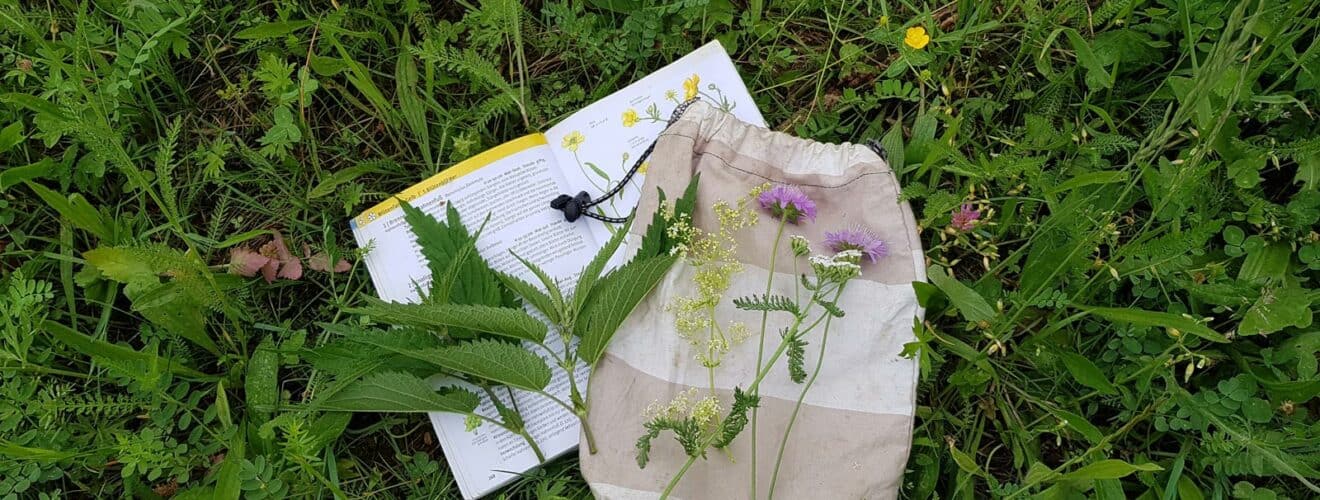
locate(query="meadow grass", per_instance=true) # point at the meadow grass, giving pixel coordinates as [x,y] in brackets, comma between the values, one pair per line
[1131,315]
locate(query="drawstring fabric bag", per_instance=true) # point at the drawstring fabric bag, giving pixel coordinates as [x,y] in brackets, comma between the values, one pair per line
[854,429]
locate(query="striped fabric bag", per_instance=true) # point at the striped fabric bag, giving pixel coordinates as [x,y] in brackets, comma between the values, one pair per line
[853,432]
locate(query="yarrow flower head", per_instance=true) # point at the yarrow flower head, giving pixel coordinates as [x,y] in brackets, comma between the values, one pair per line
[788,203]
[861,240]
[838,268]
[801,247]
[964,219]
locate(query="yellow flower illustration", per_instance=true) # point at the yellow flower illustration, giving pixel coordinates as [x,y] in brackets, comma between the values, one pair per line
[916,37]
[642,169]
[629,117]
[671,95]
[690,87]
[572,141]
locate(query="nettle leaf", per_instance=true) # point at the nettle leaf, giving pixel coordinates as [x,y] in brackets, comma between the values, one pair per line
[1087,373]
[971,304]
[613,299]
[398,392]
[458,273]
[503,321]
[533,296]
[1141,317]
[587,279]
[492,360]
[1276,309]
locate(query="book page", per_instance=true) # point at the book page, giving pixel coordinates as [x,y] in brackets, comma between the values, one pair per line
[596,146]
[514,183]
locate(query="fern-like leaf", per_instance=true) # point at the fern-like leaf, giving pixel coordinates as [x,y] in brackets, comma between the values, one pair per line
[737,419]
[766,303]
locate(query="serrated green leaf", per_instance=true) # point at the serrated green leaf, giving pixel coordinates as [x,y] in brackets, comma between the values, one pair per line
[532,296]
[397,392]
[970,304]
[1154,318]
[613,299]
[588,277]
[503,321]
[491,360]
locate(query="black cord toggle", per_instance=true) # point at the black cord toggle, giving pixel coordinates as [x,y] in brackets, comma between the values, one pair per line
[572,206]
[575,207]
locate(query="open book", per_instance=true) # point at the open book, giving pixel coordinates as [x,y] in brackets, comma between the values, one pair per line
[514,182]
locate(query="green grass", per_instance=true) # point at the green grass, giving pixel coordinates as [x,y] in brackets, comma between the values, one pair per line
[1132,317]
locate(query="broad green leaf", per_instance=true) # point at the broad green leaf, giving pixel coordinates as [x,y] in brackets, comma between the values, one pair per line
[11,136]
[1109,469]
[1081,425]
[491,360]
[1142,317]
[1097,76]
[329,184]
[1087,373]
[166,286]
[966,462]
[326,429]
[1089,178]
[503,321]
[21,453]
[261,382]
[893,144]
[115,352]
[75,209]
[1268,262]
[1276,309]
[613,299]
[397,392]
[587,278]
[228,481]
[970,304]
[12,176]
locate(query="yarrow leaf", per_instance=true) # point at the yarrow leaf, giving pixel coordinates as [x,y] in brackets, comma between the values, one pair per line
[737,419]
[766,302]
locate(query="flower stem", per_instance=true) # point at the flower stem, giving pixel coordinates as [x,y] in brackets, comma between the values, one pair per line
[760,348]
[820,361]
[669,488]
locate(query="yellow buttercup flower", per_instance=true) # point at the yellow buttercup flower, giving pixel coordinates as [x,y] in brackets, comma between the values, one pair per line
[629,117]
[916,37]
[646,165]
[573,140]
[690,87]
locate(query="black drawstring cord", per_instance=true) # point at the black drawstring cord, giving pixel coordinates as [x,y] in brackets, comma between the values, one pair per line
[580,205]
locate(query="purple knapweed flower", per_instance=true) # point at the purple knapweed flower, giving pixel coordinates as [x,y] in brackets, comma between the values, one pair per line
[788,203]
[964,219]
[858,239]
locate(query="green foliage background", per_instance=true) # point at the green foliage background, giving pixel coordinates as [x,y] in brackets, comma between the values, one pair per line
[1132,317]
